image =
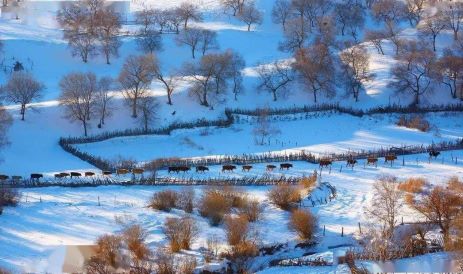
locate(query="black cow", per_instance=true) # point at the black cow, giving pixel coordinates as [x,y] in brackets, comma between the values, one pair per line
[286,166]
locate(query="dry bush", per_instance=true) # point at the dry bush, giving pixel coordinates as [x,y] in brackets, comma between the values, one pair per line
[186,199]
[134,237]
[94,266]
[413,185]
[309,182]
[304,223]
[164,200]
[8,197]
[284,196]
[187,265]
[455,184]
[252,209]
[415,122]
[237,229]
[213,205]
[180,232]
[165,263]
[108,250]
[213,244]
[408,198]
[241,255]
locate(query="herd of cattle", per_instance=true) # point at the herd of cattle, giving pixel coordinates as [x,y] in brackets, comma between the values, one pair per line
[324,163]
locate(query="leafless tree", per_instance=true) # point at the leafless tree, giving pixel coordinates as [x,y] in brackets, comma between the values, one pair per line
[452,16]
[135,78]
[414,72]
[145,17]
[5,122]
[431,27]
[78,92]
[296,35]
[264,129]
[235,5]
[315,67]
[237,64]
[149,41]
[174,19]
[250,15]
[350,15]
[450,71]
[386,204]
[108,28]
[414,10]
[355,64]
[376,38]
[148,108]
[169,82]
[103,99]
[390,12]
[189,12]
[208,40]
[281,12]
[161,18]
[191,37]
[22,88]
[275,78]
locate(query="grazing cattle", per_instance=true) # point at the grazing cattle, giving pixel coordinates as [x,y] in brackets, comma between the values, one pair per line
[107,173]
[172,169]
[351,163]
[177,169]
[372,161]
[433,154]
[36,177]
[230,168]
[271,167]
[58,176]
[75,174]
[184,168]
[64,174]
[16,178]
[89,174]
[202,169]
[122,171]
[286,166]
[246,168]
[390,158]
[325,163]
[3,177]
[137,171]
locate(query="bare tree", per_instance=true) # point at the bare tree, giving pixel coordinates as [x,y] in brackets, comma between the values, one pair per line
[237,64]
[350,15]
[189,12]
[208,41]
[414,10]
[135,78]
[275,78]
[190,37]
[148,108]
[452,16]
[250,15]
[174,19]
[389,12]
[295,35]
[315,67]
[108,28]
[376,38]
[281,12]
[22,88]
[234,5]
[145,17]
[386,204]
[103,99]
[161,18]
[414,71]
[431,27]
[450,71]
[78,92]
[149,41]
[355,64]
[264,129]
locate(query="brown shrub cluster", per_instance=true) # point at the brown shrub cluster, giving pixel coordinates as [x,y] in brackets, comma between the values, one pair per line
[180,232]
[285,196]
[303,223]
[214,205]
[251,209]
[167,263]
[166,200]
[8,197]
[415,122]
[413,185]
[309,182]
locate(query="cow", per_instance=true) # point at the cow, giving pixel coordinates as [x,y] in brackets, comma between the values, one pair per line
[16,178]
[122,171]
[75,174]
[138,171]
[371,160]
[58,176]
[3,177]
[173,169]
[390,158]
[433,154]
[286,166]
[36,177]
[325,163]
[246,168]
[184,168]
[106,173]
[351,163]
[270,167]
[89,174]
[230,168]
[64,174]
[202,169]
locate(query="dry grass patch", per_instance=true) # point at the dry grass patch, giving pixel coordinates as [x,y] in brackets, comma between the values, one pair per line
[415,122]
[285,196]
[303,223]
[413,185]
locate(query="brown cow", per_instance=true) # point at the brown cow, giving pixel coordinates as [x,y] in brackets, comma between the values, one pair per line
[58,176]
[246,168]
[3,177]
[351,163]
[184,168]
[36,177]
[230,168]
[122,171]
[390,158]
[64,174]
[202,169]
[89,174]
[325,163]
[137,171]
[75,174]
[286,166]
[106,173]
[271,167]
[372,161]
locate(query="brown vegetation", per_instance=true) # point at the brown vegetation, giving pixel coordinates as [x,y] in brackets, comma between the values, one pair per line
[303,223]
[415,122]
[284,196]
[164,200]
[413,185]
[180,232]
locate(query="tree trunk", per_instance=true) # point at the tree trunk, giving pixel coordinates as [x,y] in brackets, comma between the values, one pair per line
[23,111]
[84,123]
[134,108]
[274,95]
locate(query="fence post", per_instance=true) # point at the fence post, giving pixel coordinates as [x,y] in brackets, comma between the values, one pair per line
[98,200]
[342,231]
[360,228]
[324,230]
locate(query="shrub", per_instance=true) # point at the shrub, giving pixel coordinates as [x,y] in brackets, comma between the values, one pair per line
[187,265]
[213,205]
[413,185]
[108,250]
[164,200]
[240,256]
[455,184]
[252,210]
[304,223]
[186,199]
[284,196]
[415,122]
[134,237]
[237,229]
[8,197]
[309,182]
[180,232]
[164,261]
